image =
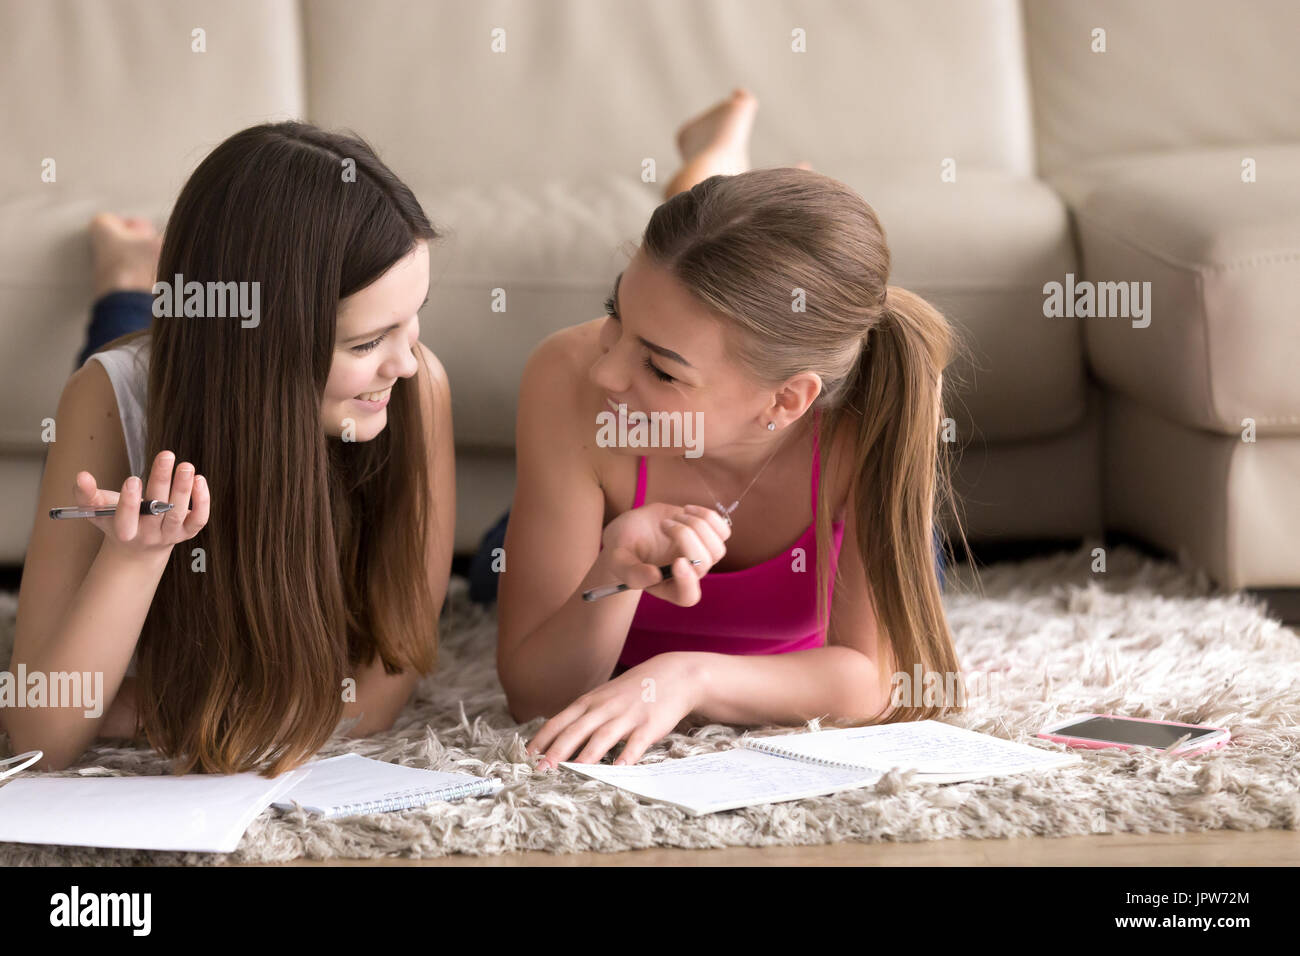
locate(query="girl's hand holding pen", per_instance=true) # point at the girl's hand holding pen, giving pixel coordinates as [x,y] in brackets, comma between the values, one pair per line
[640,540]
[132,532]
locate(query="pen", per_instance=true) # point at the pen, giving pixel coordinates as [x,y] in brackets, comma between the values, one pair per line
[150,507]
[595,594]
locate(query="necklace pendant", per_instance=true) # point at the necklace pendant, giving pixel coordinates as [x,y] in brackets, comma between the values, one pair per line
[726,512]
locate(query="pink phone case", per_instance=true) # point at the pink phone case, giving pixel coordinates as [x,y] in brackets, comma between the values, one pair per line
[1090,744]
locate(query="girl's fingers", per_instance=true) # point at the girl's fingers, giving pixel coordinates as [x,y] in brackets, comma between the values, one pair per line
[688,544]
[603,740]
[84,490]
[160,476]
[86,494]
[573,735]
[715,520]
[198,516]
[705,532]
[637,745]
[686,582]
[127,520]
[684,588]
[632,571]
[182,485]
[551,729]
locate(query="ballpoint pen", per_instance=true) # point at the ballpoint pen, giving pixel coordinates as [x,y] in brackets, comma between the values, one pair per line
[595,594]
[150,507]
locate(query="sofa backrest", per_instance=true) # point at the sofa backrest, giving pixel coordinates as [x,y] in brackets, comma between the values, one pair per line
[116,95]
[1174,74]
[586,87]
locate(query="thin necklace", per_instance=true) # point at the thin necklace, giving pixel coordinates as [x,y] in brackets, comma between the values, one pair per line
[717,502]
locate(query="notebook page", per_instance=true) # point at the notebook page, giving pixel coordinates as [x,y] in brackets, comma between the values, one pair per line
[352,779]
[725,780]
[198,812]
[927,746]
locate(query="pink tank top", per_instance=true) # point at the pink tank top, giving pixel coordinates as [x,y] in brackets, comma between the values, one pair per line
[769,608]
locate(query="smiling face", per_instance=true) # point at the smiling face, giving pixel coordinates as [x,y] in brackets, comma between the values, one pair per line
[663,350]
[377,332]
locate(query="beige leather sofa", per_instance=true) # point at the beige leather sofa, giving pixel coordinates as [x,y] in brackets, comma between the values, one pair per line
[1123,165]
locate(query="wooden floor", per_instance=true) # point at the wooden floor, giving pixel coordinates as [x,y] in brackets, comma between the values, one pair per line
[1215,848]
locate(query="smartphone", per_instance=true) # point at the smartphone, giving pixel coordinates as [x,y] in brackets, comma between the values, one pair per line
[1094,731]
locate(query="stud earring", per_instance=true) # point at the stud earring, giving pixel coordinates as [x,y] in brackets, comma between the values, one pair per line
[771,426]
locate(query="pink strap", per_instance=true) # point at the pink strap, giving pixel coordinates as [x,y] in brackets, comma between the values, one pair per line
[640,484]
[816,462]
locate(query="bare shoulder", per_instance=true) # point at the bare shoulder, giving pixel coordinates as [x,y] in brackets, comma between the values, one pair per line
[565,355]
[555,382]
[434,385]
[87,384]
[59,553]
[88,417]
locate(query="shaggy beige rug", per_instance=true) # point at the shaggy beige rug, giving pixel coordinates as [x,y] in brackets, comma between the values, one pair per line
[1144,638]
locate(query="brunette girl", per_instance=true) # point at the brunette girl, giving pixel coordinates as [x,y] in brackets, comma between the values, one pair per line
[307,456]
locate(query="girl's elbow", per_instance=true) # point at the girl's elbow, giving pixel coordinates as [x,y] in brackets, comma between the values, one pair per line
[520,708]
[53,757]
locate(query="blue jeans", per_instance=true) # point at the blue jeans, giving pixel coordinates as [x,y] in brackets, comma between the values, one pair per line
[114,315]
[483,580]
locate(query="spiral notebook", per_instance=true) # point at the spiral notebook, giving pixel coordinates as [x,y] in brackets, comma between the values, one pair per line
[794,766]
[351,784]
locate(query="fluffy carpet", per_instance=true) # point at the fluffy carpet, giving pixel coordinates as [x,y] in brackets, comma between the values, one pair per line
[1145,638]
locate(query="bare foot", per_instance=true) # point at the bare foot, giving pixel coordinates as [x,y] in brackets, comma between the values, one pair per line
[722,131]
[124,253]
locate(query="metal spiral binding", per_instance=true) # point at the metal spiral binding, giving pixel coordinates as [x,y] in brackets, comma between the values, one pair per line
[819,761]
[405,799]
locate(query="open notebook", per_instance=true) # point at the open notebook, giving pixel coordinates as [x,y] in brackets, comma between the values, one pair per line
[794,766]
[350,784]
[210,812]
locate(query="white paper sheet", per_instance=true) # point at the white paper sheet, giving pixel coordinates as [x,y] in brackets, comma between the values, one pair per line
[927,746]
[196,812]
[707,783]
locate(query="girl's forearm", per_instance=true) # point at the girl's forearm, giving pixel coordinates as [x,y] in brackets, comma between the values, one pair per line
[98,635]
[828,682]
[572,651]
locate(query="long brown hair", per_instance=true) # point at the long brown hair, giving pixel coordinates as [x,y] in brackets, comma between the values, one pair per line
[315,548]
[745,246]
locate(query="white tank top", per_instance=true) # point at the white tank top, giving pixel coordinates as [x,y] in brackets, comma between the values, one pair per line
[128,369]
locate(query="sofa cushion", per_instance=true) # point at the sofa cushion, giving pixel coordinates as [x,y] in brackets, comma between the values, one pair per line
[1175,74]
[1216,502]
[1223,260]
